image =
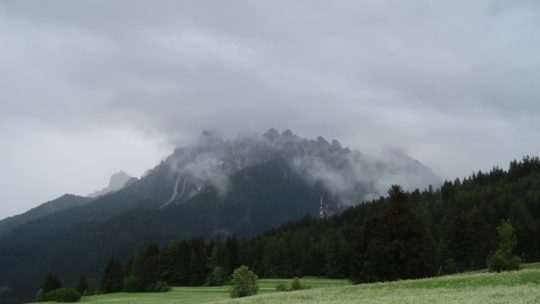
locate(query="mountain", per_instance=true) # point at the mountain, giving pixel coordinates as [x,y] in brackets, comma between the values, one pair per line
[59,204]
[117,181]
[213,187]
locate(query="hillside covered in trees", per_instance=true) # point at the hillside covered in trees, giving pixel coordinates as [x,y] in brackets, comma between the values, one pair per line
[404,235]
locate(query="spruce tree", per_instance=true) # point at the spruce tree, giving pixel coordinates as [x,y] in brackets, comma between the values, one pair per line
[113,280]
[393,245]
[149,271]
[82,285]
[276,259]
[232,259]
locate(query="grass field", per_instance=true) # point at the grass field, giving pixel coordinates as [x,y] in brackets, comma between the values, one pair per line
[200,295]
[479,287]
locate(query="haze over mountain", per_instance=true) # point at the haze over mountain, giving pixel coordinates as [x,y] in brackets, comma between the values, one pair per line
[214,187]
[454,83]
[117,181]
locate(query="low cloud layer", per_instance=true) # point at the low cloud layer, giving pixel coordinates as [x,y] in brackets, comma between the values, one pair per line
[456,84]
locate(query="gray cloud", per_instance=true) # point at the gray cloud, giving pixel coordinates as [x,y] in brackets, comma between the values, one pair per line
[455,84]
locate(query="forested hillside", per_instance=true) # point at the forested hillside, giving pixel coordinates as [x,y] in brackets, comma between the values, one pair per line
[404,235]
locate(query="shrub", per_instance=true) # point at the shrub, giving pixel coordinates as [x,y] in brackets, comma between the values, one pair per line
[218,277]
[244,283]
[131,284]
[282,287]
[91,290]
[40,296]
[65,295]
[159,286]
[296,285]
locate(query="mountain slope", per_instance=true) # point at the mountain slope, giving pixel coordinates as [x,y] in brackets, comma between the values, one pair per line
[59,204]
[260,198]
[214,187]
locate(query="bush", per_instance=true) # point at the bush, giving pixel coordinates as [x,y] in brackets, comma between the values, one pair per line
[296,285]
[131,284]
[65,295]
[159,286]
[218,277]
[40,296]
[244,283]
[499,262]
[282,287]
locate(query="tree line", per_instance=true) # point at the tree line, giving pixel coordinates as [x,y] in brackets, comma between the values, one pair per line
[404,235]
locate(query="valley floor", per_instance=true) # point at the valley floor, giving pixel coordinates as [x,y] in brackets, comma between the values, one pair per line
[480,287]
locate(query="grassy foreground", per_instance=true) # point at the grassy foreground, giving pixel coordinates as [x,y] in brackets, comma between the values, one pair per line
[201,295]
[480,287]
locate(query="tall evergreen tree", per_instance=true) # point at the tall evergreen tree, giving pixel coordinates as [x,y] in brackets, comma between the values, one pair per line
[82,285]
[113,280]
[232,253]
[276,259]
[198,262]
[150,272]
[393,245]
[182,256]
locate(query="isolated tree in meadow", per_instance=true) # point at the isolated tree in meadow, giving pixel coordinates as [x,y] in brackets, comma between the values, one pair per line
[113,280]
[244,283]
[503,259]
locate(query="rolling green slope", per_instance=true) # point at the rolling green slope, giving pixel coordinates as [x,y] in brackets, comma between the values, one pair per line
[514,287]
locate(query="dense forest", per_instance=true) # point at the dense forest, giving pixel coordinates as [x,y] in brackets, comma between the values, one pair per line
[405,235]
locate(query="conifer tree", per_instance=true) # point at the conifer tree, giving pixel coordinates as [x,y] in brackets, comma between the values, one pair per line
[232,253]
[393,245]
[276,259]
[113,280]
[82,285]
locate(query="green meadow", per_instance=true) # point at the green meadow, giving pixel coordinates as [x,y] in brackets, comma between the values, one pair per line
[475,287]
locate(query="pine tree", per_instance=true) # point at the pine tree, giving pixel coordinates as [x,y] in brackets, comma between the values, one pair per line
[181,256]
[82,285]
[393,245]
[198,263]
[149,271]
[276,259]
[231,254]
[113,280]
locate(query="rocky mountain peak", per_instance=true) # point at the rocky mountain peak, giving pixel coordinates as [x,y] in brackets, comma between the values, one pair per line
[116,182]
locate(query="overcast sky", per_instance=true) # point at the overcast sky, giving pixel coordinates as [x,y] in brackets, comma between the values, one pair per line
[88,88]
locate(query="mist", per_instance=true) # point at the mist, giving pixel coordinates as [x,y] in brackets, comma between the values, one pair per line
[89,88]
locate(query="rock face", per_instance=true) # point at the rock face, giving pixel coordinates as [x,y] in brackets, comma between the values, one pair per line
[348,175]
[116,182]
